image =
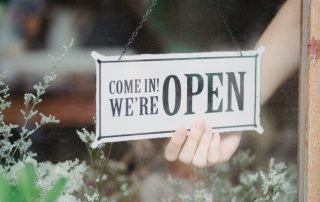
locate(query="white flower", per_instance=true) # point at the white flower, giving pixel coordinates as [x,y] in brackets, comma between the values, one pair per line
[67,198]
[93,198]
[85,136]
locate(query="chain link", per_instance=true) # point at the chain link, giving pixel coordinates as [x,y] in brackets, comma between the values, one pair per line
[226,24]
[149,11]
[136,31]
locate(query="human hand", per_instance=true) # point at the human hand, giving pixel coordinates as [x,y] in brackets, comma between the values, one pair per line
[201,147]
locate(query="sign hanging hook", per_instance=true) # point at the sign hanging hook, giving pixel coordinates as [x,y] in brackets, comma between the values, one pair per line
[149,11]
[226,24]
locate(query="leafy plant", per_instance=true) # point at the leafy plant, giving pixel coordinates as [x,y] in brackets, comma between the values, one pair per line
[105,173]
[108,180]
[26,189]
[219,184]
[29,180]
[26,179]
[11,152]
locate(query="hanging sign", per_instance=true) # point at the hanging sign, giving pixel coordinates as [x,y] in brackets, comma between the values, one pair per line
[149,96]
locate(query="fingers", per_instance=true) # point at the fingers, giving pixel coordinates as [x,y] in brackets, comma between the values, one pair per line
[229,144]
[214,149]
[200,158]
[174,146]
[200,148]
[191,144]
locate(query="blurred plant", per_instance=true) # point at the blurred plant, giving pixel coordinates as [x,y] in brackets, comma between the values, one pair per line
[219,184]
[15,153]
[107,179]
[26,189]
[83,182]
[12,152]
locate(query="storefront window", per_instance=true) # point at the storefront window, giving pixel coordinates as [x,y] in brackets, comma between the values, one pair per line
[38,36]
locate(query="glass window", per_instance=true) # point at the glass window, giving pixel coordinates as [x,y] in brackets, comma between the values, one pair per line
[38,35]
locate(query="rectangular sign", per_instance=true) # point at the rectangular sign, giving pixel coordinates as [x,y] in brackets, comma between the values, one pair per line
[149,96]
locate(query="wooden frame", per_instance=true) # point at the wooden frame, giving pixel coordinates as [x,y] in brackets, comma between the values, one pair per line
[309,118]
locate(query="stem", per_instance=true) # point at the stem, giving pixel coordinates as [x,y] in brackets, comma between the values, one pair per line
[104,162]
[92,167]
[110,148]
[99,174]
[102,168]
[24,126]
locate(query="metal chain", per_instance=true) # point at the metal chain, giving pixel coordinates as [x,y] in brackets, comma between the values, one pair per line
[136,31]
[226,24]
[149,11]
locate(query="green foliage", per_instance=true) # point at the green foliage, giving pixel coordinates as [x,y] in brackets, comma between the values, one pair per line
[236,182]
[106,180]
[26,184]
[6,194]
[26,189]
[12,152]
[55,192]
[27,180]
[44,181]
[105,172]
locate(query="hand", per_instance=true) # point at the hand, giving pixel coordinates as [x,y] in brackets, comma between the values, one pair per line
[201,147]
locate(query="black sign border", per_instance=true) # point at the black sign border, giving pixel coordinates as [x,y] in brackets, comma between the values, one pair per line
[166,59]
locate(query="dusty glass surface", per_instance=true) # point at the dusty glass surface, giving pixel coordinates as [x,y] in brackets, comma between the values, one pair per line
[137,170]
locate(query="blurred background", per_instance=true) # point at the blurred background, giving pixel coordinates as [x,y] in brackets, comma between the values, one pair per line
[32,29]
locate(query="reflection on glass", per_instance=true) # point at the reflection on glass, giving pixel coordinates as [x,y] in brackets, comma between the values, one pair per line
[263,168]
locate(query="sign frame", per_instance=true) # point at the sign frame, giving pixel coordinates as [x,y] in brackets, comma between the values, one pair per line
[101,60]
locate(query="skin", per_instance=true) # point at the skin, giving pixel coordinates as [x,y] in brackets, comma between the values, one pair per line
[201,147]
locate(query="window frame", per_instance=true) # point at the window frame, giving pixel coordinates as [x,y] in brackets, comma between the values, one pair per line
[309,108]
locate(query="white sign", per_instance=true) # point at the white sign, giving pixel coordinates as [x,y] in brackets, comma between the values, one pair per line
[149,96]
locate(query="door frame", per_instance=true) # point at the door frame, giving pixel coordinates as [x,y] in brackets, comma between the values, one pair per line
[309,104]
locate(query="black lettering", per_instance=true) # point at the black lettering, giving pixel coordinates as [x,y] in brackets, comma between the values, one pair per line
[212,92]
[154,102]
[119,87]
[232,84]
[128,86]
[143,106]
[116,106]
[110,87]
[137,83]
[129,111]
[165,95]
[152,87]
[190,92]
